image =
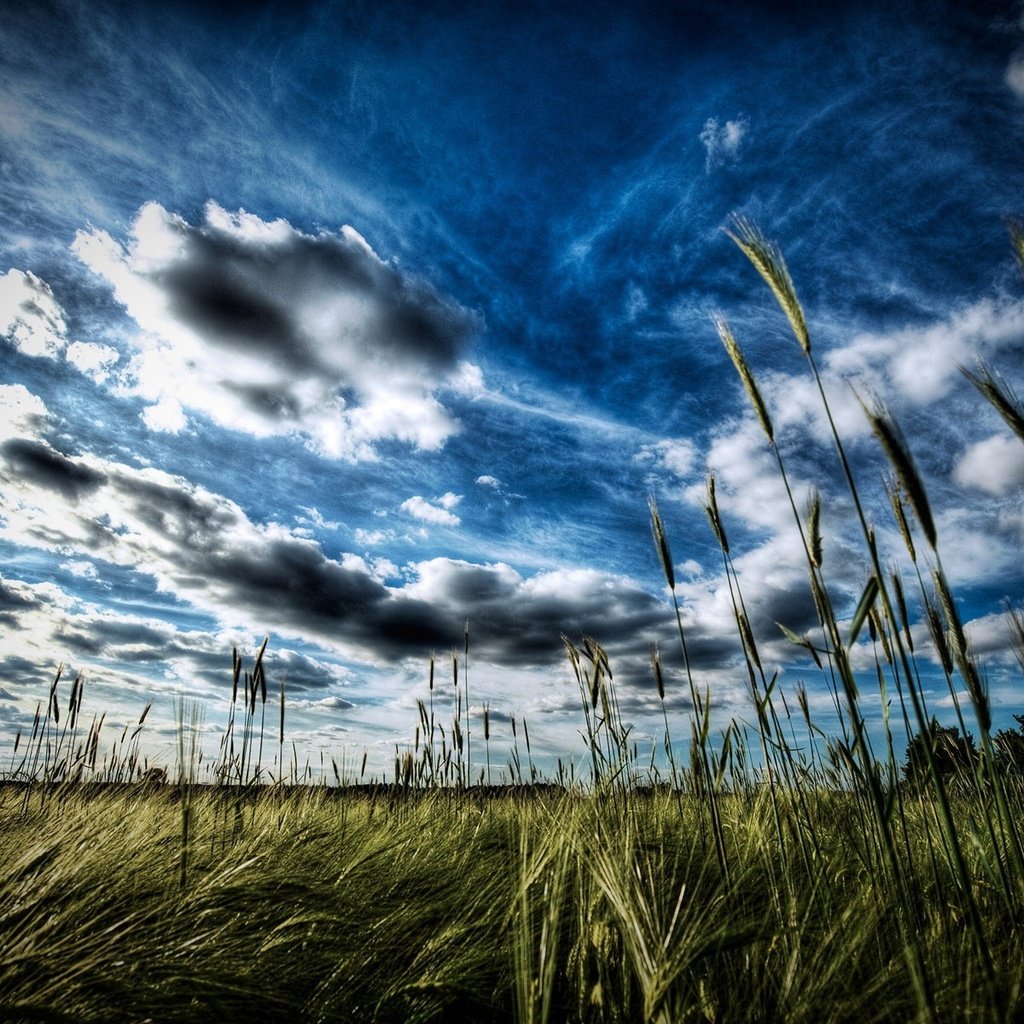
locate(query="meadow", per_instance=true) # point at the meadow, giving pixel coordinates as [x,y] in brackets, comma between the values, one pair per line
[761,875]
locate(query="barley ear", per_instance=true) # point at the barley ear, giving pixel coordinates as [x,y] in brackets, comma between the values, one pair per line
[814,527]
[1016,229]
[892,490]
[999,394]
[1015,620]
[895,447]
[661,543]
[772,267]
[659,677]
[712,510]
[749,384]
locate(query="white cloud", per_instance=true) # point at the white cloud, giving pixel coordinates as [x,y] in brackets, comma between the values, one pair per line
[330,704]
[677,456]
[488,481]
[92,359]
[373,538]
[995,465]
[30,316]
[21,412]
[166,416]
[203,549]
[439,514]
[722,141]
[921,362]
[314,517]
[81,568]
[270,331]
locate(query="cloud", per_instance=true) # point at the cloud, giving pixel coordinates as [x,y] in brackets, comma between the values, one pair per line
[722,141]
[373,538]
[518,620]
[30,316]
[439,513]
[166,416]
[271,331]
[82,568]
[921,363]
[92,359]
[21,412]
[38,463]
[127,654]
[488,481]
[677,456]
[331,704]
[1015,74]
[203,549]
[995,465]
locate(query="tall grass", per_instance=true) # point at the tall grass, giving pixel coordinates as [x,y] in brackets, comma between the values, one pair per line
[784,871]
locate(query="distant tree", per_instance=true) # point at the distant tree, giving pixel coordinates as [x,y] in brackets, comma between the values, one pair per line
[952,752]
[1009,744]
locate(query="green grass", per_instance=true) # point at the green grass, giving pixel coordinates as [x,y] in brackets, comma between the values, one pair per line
[305,905]
[756,879]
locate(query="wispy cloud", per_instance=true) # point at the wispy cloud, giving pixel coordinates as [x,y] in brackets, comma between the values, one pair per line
[722,142]
[1015,74]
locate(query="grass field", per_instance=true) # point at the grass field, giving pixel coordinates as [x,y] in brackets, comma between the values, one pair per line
[760,880]
[307,905]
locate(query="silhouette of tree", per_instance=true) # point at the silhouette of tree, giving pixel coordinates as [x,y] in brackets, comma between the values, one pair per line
[952,752]
[1009,744]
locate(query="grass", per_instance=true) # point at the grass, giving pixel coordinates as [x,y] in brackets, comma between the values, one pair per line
[761,880]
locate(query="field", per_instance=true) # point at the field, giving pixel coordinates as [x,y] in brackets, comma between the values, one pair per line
[761,879]
[314,905]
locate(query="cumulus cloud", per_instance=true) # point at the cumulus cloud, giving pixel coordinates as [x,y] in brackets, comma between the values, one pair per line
[271,331]
[722,142]
[92,359]
[677,456]
[995,465]
[21,412]
[30,316]
[439,512]
[202,548]
[330,704]
[488,481]
[373,538]
[920,363]
[915,371]
[518,620]
[131,657]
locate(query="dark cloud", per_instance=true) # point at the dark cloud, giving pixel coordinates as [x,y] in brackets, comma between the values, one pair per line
[284,332]
[794,608]
[272,403]
[37,462]
[125,640]
[204,549]
[234,291]
[292,577]
[14,600]
[17,669]
[519,621]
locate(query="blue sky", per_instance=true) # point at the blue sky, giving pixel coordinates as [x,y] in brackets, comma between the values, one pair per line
[347,323]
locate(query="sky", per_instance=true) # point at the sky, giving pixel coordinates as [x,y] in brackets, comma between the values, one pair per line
[346,324]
